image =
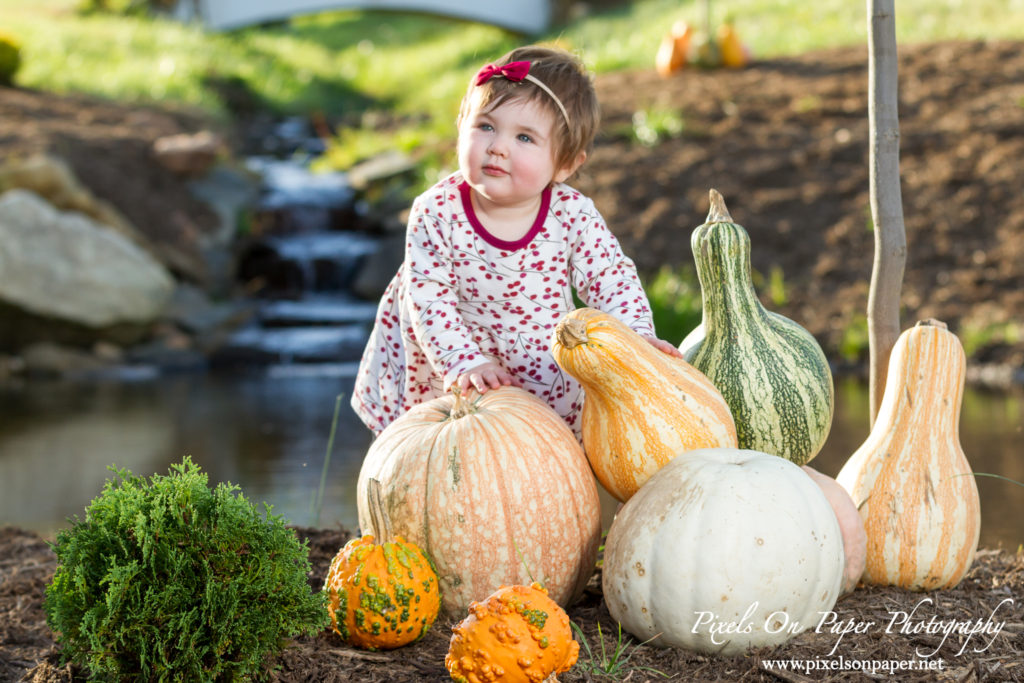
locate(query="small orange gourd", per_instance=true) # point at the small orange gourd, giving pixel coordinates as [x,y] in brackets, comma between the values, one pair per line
[382,592]
[734,53]
[910,479]
[518,634]
[642,407]
[671,55]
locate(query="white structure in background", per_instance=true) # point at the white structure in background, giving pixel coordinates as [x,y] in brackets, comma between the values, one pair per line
[525,16]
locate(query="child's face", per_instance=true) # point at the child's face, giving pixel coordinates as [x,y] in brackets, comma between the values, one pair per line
[507,154]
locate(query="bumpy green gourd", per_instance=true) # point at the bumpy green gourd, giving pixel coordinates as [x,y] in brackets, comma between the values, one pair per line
[771,371]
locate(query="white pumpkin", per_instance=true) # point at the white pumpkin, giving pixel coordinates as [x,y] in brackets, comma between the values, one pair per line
[721,550]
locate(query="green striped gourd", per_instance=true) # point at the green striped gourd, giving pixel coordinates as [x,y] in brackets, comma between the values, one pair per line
[771,371]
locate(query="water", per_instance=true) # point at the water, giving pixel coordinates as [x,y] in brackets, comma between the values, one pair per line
[267,432]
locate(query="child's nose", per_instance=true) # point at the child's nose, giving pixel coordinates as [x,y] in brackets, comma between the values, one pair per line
[498,147]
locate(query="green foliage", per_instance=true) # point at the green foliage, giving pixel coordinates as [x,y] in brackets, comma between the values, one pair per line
[650,126]
[854,344]
[675,303]
[10,58]
[976,336]
[168,580]
[614,664]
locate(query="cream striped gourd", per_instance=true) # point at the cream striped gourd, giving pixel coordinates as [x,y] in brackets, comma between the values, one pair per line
[910,478]
[771,371]
[495,488]
[642,407]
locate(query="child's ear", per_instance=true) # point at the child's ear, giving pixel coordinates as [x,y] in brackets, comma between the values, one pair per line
[566,171]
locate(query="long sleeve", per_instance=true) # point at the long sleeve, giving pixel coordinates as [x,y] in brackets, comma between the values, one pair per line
[432,301]
[604,277]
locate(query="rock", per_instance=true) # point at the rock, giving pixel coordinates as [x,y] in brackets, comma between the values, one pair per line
[65,266]
[379,268]
[190,309]
[45,359]
[52,179]
[228,192]
[188,154]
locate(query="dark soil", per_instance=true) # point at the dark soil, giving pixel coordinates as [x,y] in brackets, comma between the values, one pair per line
[27,651]
[786,142]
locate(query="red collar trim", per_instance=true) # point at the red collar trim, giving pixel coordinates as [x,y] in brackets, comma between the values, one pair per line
[538,222]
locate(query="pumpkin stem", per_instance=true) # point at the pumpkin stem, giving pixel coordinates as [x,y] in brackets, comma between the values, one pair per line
[380,523]
[718,213]
[571,332]
[463,406]
[932,322]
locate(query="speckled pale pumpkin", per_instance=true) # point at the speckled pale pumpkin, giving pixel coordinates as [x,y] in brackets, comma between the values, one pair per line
[910,479]
[642,407]
[723,536]
[382,592]
[518,634]
[495,489]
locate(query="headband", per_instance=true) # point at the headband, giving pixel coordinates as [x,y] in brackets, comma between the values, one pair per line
[518,72]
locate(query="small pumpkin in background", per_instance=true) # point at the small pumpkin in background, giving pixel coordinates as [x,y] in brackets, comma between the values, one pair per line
[674,47]
[495,488]
[910,478]
[382,592]
[517,634]
[855,539]
[771,371]
[643,407]
[733,52]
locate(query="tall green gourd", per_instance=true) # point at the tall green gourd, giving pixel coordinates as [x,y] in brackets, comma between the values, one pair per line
[771,371]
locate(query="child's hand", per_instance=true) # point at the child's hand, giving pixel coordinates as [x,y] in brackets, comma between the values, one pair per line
[664,347]
[485,376]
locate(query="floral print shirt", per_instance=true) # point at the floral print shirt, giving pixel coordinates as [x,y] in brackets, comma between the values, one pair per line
[463,297]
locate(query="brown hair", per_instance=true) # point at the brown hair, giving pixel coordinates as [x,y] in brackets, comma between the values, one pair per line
[566,76]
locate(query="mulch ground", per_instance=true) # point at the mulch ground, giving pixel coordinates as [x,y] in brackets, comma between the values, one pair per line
[993,591]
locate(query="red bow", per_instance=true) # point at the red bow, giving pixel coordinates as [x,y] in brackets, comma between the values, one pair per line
[513,71]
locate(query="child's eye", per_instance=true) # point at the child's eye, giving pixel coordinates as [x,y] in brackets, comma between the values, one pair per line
[486,126]
[523,137]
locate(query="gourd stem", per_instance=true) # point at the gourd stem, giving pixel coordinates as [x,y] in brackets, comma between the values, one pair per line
[718,212]
[932,322]
[380,523]
[571,333]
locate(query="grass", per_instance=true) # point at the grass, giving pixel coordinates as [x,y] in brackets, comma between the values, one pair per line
[414,65]
[615,664]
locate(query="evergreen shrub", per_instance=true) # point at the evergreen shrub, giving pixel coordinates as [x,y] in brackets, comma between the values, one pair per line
[168,580]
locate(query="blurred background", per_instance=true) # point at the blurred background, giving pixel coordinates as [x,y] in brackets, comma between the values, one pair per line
[201,202]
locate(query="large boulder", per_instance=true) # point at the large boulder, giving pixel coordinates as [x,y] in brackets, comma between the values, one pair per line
[66,267]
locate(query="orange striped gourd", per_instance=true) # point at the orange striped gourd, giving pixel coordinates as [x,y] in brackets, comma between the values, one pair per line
[910,479]
[495,488]
[642,407]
